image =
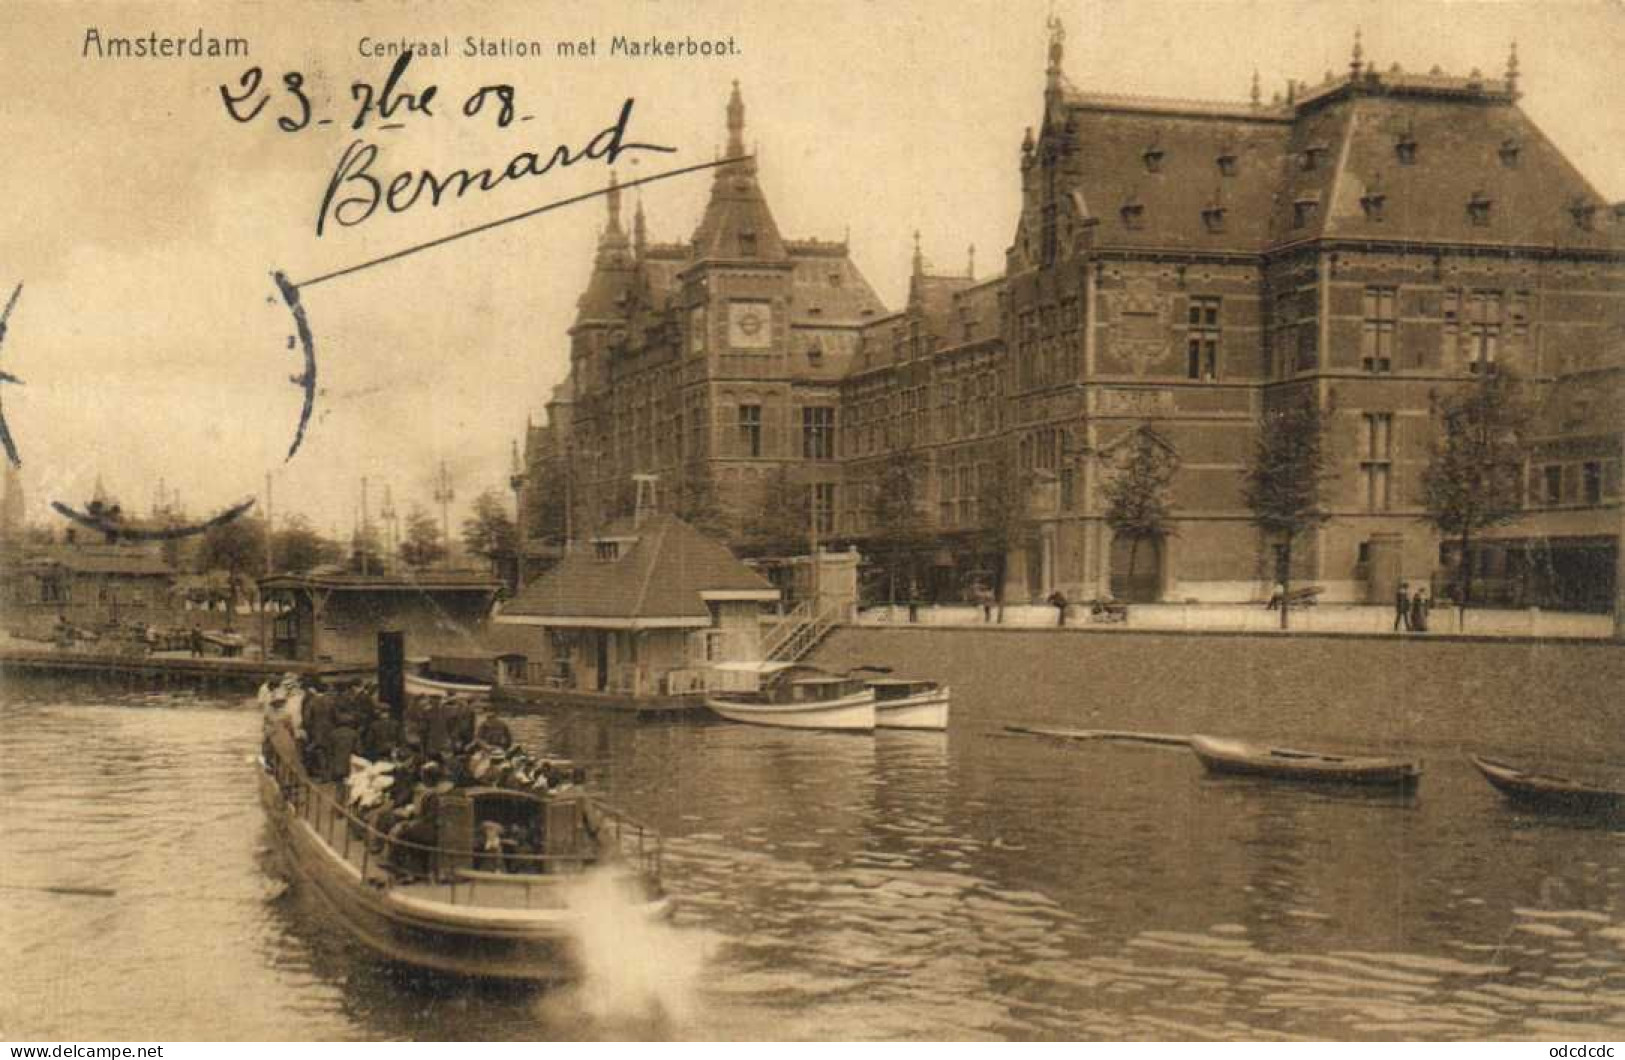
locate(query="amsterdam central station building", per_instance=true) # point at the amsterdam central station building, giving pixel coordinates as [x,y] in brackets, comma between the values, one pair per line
[1178,268]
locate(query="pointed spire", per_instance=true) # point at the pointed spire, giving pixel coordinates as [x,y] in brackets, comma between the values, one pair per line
[1057,50]
[1512,68]
[970,262]
[736,123]
[640,231]
[737,222]
[919,257]
[614,199]
[1258,89]
[1357,61]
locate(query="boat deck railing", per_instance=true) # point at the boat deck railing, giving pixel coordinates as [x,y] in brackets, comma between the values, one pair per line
[523,881]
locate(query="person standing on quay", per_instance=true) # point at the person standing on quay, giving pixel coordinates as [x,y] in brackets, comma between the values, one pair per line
[1402,607]
[1059,601]
[1419,612]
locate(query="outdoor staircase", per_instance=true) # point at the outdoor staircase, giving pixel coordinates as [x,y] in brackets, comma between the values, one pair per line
[800,632]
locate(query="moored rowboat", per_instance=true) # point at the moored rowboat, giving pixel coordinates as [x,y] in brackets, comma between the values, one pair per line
[1544,791]
[820,701]
[1236,757]
[421,685]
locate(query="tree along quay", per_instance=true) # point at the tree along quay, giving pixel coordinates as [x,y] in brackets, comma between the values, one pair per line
[1440,695]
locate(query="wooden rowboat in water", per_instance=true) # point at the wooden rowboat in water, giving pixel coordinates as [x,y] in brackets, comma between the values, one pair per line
[1550,793]
[1235,757]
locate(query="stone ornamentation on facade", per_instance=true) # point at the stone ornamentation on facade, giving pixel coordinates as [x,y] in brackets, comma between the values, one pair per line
[1139,333]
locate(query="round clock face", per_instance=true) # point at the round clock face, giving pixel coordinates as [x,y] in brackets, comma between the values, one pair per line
[750,325]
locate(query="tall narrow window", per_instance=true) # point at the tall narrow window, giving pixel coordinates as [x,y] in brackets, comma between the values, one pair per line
[1202,340]
[1483,331]
[1377,340]
[818,432]
[1376,468]
[750,430]
[1283,335]
[1591,482]
[1552,478]
[823,507]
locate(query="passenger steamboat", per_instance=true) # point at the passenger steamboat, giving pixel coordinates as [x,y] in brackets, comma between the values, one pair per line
[462,906]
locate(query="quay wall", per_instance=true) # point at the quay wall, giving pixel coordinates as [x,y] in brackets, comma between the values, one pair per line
[1435,695]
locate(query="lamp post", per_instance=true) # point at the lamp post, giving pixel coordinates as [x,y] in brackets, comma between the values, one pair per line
[392,529]
[443,496]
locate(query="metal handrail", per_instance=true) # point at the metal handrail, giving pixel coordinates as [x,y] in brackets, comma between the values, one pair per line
[647,859]
[787,627]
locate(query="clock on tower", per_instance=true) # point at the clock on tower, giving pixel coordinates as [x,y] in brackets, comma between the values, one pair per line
[750,325]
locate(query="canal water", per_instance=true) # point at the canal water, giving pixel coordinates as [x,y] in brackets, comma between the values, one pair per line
[974,885]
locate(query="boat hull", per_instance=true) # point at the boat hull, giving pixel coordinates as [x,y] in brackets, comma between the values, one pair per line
[854,713]
[418,685]
[536,946]
[1233,758]
[1550,794]
[927,711]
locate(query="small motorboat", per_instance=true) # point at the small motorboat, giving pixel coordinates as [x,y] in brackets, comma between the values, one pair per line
[1234,757]
[902,703]
[1554,794]
[813,700]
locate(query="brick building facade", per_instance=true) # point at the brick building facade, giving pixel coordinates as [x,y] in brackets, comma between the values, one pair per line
[1178,267]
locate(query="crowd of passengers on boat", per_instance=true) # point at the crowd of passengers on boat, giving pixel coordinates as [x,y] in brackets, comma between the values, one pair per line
[392,776]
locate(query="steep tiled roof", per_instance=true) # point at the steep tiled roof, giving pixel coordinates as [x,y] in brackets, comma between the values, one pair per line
[1148,171]
[1459,147]
[658,574]
[1160,203]
[737,223]
[827,286]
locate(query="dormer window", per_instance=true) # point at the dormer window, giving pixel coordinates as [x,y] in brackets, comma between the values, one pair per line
[1227,164]
[1478,209]
[1153,159]
[1584,214]
[1372,203]
[747,243]
[1304,212]
[1509,152]
[1405,149]
[1213,217]
[1133,214]
[1313,156]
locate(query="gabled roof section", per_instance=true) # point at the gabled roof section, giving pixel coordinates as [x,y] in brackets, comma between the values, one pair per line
[659,572]
[737,226]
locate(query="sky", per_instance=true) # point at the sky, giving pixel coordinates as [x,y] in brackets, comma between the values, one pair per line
[145,223]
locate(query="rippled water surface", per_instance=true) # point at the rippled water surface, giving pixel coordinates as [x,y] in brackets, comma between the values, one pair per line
[973,885]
